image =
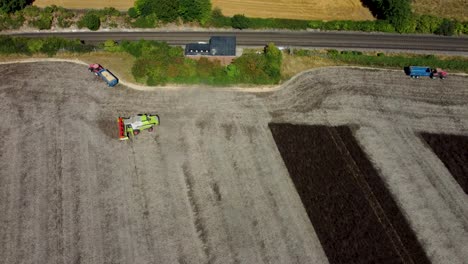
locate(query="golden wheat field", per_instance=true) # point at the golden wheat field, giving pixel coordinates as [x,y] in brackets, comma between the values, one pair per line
[457,9]
[297,9]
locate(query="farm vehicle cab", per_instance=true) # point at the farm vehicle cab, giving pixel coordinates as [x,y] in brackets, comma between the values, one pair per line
[132,126]
[105,74]
[417,71]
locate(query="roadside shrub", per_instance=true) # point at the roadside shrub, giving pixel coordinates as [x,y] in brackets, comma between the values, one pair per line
[367,26]
[446,28]
[240,22]
[31,11]
[278,23]
[150,21]
[133,13]
[427,24]
[11,21]
[384,26]
[317,24]
[217,19]
[112,46]
[90,20]
[11,6]
[251,67]
[7,45]
[302,52]
[332,52]
[49,46]
[44,21]
[351,52]
[232,72]
[63,22]
[274,59]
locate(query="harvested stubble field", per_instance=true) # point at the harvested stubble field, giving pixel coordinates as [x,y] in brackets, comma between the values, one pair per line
[353,214]
[294,9]
[209,185]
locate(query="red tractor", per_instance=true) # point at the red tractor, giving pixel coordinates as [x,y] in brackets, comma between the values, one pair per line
[95,68]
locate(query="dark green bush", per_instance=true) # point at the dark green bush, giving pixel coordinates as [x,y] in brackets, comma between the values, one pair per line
[132,12]
[218,19]
[367,26]
[11,6]
[259,23]
[150,21]
[446,28]
[11,21]
[240,22]
[332,52]
[44,21]
[90,20]
[427,24]
[49,46]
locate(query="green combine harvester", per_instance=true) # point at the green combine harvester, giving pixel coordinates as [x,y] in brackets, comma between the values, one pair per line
[132,126]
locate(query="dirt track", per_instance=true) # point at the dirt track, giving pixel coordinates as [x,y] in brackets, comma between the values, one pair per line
[209,185]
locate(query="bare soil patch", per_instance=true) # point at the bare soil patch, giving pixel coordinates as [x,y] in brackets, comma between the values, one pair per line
[353,213]
[452,150]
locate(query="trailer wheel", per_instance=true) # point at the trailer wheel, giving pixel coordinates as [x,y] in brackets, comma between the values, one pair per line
[136,132]
[150,129]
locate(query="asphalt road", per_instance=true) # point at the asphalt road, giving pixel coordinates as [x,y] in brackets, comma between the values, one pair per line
[301,39]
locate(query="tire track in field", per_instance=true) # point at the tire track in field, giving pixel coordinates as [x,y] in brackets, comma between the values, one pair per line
[198,222]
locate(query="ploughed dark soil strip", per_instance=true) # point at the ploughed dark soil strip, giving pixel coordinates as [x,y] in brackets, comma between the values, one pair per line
[452,150]
[353,213]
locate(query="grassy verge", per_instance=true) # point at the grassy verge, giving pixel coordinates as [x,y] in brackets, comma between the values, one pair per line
[293,63]
[300,60]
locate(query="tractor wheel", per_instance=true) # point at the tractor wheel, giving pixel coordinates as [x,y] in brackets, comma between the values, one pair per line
[136,132]
[150,129]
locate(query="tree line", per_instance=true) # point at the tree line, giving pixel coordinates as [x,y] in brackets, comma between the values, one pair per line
[392,16]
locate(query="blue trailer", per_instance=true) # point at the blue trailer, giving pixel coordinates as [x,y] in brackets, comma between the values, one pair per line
[416,71]
[105,74]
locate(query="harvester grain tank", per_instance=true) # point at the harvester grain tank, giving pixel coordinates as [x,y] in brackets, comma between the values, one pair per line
[417,71]
[105,74]
[132,126]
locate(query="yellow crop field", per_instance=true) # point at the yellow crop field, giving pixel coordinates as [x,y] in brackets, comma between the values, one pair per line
[457,9]
[295,9]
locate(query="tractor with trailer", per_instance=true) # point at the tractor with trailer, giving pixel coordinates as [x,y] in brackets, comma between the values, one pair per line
[129,127]
[417,71]
[105,74]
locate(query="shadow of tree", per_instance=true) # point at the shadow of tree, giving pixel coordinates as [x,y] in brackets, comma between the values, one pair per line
[374,6]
